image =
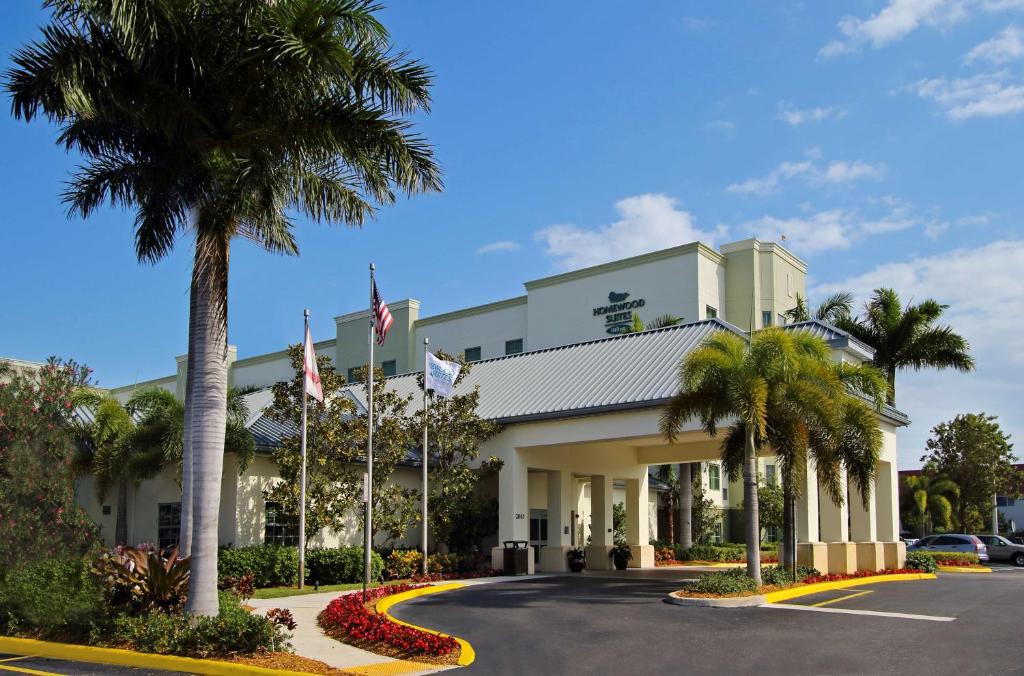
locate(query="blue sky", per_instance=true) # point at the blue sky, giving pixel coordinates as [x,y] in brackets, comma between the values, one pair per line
[883,138]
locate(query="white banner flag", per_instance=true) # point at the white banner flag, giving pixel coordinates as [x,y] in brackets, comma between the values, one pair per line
[441,375]
[312,385]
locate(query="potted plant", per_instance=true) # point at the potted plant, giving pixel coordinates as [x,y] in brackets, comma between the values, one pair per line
[577,559]
[621,555]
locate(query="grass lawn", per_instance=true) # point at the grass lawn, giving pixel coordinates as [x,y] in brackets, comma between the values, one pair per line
[279,592]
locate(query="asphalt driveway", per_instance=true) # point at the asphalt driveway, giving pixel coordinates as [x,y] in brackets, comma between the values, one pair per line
[958,624]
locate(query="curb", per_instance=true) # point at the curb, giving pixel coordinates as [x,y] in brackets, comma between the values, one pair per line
[728,602]
[964,569]
[466,653]
[130,658]
[794,592]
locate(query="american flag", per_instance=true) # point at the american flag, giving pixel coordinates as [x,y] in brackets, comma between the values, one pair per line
[381,315]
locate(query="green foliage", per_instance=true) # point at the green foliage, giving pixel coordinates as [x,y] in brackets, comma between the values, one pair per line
[953,557]
[270,565]
[770,506]
[401,564]
[779,576]
[725,582]
[233,631]
[39,516]
[704,515]
[56,598]
[618,524]
[443,563]
[143,580]
[926,502]
[713,553]
[922,561]
[973,452]
[471,521]
[341,565]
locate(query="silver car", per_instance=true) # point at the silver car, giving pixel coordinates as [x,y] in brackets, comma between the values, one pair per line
[951,542]
[1001,549]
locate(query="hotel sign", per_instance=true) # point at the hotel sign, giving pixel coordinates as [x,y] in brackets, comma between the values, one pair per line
[618,313]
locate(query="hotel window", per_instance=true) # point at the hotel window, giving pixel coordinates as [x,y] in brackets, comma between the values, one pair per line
[351,377]
[168,521]
[717,535]
[1003,501]
[514,346]
[389,367]
[473,353]
[710,312]
[766,318]
[771,534]
[769,474]
[714,477]
[280,529]
[725,494]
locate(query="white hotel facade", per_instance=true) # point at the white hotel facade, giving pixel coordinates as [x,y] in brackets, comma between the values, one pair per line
[578,400]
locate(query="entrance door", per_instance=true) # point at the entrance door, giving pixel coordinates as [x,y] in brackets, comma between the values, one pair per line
[538,531]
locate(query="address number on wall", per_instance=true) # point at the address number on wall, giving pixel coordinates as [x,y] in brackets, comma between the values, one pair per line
[520,516]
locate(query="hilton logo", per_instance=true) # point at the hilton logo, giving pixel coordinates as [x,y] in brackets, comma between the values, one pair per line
[618,314]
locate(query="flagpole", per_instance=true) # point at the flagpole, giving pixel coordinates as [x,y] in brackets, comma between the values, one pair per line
[302,473]
[368,522]
[426,418]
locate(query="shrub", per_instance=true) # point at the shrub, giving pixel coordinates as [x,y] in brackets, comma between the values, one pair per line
[233,631]
[727,553]
[725,582]
[403,564]
[55,598]
[142,580]
[955,558]
[443,564]
[270,565]
[776,575]
[341,565]
[922,561]
[347,618]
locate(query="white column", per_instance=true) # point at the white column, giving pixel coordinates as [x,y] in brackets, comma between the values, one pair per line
[601,510]
[807,506]
[863,520]
[834,518]
[887,510]
[636,511]
[513,500]
[560,506]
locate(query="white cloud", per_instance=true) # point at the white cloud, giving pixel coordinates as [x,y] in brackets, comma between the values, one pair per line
[721,126]
[502,245]
[835,172]
[797,116]
[899,18]
[982,95]
[1006,46]
[818,232]
[981,286]
[646,223]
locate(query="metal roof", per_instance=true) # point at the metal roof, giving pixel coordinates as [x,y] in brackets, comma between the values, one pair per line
[834,336]
[633,370]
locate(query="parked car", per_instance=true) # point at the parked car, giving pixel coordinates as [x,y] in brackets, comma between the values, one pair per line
[908,541]
[1001,549]
[951,543]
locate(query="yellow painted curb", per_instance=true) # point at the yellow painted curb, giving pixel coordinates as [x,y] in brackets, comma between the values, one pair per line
[964,569]
[129,658]
[466,655]
[794,592]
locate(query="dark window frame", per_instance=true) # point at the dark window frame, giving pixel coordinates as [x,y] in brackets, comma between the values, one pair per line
[512,345]
[278,527]
[168,524]
[473,353]
[389,365]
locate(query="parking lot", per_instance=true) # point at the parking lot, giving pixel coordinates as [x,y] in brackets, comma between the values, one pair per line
[959,623]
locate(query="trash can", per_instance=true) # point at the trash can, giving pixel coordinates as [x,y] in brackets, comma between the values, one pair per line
[517,553]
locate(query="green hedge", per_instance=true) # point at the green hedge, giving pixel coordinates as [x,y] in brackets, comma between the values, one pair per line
[728,553]
[959,557]
[275,566]
[921,561]
[54,598]
[725,582]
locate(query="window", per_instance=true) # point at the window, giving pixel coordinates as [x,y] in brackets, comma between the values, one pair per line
[710,312]
[782,319]
[717,535]
[789,285]
[950,540]
[769,474]
[352,374]
[538,526]
[281,529]
[714,477]
[766,318]
[106,510]
[473,353]
[514,346]
[925,541]
[1003,501]
[725,493]
[168,522]
[389,367]
[771,534]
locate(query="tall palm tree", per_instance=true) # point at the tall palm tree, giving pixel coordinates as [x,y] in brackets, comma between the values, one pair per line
[830,310]
[781,390]
[907,337]
[224,120]
[667,475]
[107,430]
[928,501]
[659,322]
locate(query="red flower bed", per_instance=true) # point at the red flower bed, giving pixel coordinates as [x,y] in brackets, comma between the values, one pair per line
[836,577]
[956,563]
[349,616]
[438,577]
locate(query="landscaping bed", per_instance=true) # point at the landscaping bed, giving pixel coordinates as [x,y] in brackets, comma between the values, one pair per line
[355,620]
[702,555]
[729,584]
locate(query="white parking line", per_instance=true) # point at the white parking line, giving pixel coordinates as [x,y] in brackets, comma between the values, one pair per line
[847,611]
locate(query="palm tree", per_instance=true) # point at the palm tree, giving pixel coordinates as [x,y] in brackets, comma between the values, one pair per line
[659,322]
[830,310]
[782,390]
[927,501]
[907,337]
[106,430]
[224,120]
[667,475]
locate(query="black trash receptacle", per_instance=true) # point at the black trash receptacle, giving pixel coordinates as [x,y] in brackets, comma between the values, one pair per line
[517,557]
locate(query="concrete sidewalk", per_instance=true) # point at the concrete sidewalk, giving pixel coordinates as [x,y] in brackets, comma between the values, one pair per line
[310,641]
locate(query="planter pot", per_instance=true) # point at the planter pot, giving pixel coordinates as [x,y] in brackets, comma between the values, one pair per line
[621,562]
[577,565]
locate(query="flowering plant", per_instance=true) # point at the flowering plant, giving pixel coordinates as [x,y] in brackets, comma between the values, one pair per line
[349,618]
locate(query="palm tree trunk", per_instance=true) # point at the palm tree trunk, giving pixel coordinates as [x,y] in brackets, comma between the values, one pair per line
[185,530]
[750,508]
[890,376]
[786,550]
[209,417]
[121,522]
[685,505]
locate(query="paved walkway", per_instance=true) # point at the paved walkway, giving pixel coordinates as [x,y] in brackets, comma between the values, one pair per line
[310,641]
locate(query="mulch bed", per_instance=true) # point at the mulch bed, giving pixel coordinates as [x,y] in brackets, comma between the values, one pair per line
[288,662]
